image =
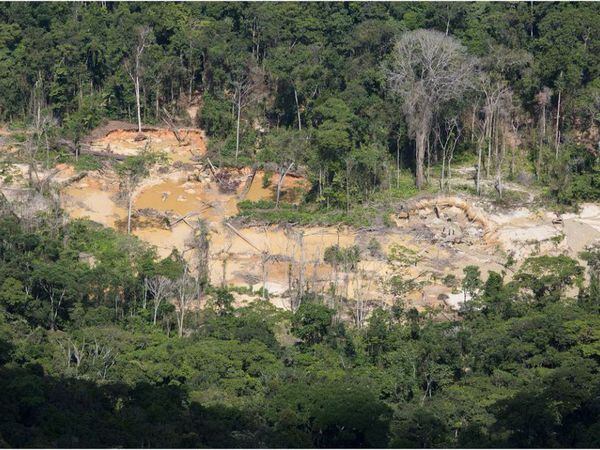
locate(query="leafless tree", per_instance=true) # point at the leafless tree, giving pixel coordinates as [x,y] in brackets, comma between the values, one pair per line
[248,89]
[427,69]
[299,281]
[135,67]
[504,122]
[361,309]
[543,100]
[447,134]
[497,99]
[225,255]
[185,291]
[87,354]
[557,128]
[160,288]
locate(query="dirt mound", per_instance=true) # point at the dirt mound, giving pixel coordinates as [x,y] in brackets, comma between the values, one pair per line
[122,138]
[104,129]
[444,212]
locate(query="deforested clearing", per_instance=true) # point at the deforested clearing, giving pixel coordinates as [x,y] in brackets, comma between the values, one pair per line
[315,225]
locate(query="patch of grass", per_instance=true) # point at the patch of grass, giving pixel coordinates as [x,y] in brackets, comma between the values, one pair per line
[84,162]
[403,187]
[510,198]
[264,211]
[87,162]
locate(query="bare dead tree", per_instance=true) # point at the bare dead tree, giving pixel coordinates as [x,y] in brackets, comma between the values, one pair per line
[283,171]
[225,255]
[543,100]
[495,94]
[360,290]
[557,128]
[248,90]
[135,67]
[297,237]
[503,122]
[185,291]
[160,287]
[447,135]
[427,69]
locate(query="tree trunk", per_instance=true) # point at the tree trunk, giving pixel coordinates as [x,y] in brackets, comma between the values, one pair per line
[297,109]
[137,96]
[557,138]
[180,324]
[448,172]
[237,130]
[157,101]
[443,169]
[129,204]
[145,293]
[397,163]
[156,306]
[420,157]
[265,259]
[478,177]
[300,273]
[489,142]
[280,183]
[473,124]
[347,186]
[428,160]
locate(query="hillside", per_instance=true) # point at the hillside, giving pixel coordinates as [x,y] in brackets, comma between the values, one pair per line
[321,225]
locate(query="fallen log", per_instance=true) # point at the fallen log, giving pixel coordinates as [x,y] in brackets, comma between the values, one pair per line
[243,237]
[248,185]
[73,179]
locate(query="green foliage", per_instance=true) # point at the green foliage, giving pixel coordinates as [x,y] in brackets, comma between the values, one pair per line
[238,380]
[346,258]
[574,177]
[471,282]
[83,365]
[90,114]
[548,276]
[215,117]
[264,211]
[312,322]
[374,247]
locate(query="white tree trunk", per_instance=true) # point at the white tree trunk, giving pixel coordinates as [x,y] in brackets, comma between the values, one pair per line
[557,138]
[420,157]
[297,109]
[137,97]
[280,183]
[237,131]
[478,178]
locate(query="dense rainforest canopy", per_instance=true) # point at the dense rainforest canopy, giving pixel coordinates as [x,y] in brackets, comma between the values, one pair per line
[94,353]
[525,97]
[90,357]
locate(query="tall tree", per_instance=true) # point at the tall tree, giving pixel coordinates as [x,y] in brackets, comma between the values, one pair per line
[135,68]
[427,69]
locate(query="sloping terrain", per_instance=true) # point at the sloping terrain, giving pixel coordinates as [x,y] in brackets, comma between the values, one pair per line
[443,234]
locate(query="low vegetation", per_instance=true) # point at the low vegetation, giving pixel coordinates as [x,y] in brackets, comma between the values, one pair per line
[104,344]
[90,357]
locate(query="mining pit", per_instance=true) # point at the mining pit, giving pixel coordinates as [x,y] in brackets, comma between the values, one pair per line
[445,233]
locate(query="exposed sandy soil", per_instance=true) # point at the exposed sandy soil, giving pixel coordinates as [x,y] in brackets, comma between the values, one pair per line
[126,142]
[291,190]
[276,256]
[446,233]
[582,229]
